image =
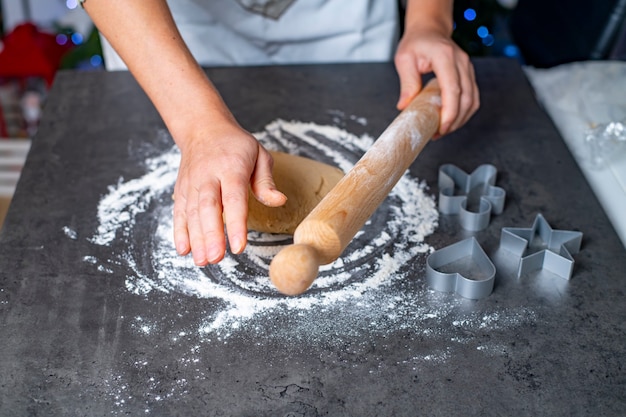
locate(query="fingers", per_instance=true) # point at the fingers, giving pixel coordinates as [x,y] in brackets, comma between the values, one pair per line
[181,237]
[206,224]
[199,220]
[262,182]
[200,215]
[212,193]
[410,79]
[198,225]
[459,92]
[474,97]
[421,53]
[235,209]
[450,84]
[235,197]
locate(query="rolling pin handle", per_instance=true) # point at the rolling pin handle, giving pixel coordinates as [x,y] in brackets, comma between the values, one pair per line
[294,268]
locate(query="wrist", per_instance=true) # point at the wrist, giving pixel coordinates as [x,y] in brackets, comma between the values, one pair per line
[204,125]
[195,112]
[433,16]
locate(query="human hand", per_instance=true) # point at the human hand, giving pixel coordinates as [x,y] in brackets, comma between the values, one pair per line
[422,50]
[216,170]
[220,162]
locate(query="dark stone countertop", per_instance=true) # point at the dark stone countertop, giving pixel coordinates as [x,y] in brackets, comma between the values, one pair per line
[73,341]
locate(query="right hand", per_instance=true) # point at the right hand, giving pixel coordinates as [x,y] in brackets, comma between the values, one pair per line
[217,168]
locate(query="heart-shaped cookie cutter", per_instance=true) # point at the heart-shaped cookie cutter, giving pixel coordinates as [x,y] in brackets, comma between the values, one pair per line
[472,196]
[462,267]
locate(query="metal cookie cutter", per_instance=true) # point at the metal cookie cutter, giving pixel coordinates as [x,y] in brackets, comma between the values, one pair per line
[541,247]
[462,267]
[473,197]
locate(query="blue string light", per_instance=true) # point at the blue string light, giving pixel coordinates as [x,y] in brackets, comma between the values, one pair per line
[469,14]
[77,38]
[95,61]
[482,32]
[61,39]
[488,40]
[510,51]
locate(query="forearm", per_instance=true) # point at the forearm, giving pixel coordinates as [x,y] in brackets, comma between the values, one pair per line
[432,15]
[144,34]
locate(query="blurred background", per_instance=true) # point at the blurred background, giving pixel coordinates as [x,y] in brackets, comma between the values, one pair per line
[39,37]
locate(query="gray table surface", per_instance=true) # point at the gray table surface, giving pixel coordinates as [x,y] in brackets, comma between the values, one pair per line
[69,340]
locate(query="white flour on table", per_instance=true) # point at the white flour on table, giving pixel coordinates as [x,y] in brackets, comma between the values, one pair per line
[364,280]
[374,290]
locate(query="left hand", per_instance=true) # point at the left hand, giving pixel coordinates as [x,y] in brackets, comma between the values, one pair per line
[421,51]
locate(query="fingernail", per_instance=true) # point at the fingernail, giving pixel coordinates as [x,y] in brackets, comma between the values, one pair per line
[402,99]
[214,254]
[200,260]
[237,245]
[281,195]
[181,248]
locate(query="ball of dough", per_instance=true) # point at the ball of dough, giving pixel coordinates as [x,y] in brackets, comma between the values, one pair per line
[304,181]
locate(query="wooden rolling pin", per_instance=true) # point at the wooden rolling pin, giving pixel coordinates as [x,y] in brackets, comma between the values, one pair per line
[328,229]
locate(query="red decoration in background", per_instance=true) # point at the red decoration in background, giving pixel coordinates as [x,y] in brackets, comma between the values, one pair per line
[28,52]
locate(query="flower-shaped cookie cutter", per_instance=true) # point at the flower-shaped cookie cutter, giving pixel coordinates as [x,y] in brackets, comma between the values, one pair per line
[472,196]
[462,267]
[541,247]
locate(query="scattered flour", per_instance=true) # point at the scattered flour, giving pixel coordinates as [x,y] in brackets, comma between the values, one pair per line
[369,279]
[71,233]
[390,239]
[368,291]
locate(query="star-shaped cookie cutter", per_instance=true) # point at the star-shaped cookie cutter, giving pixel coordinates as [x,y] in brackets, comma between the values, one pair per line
[472,196]
[541,247]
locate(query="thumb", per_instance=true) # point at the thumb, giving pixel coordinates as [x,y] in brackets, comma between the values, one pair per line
[410,82]
[262,182]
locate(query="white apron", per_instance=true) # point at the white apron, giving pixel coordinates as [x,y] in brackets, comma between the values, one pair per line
[264,32]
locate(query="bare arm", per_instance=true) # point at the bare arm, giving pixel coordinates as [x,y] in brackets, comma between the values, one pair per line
[426,46]
[144,34]
[219,160]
